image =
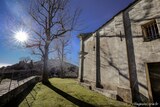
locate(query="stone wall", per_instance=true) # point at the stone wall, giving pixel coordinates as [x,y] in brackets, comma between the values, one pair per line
[114,64]
[113,58]
[139,14]
[90,60]
[123,52]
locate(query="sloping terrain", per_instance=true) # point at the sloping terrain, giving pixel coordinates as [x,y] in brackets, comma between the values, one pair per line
[67,93]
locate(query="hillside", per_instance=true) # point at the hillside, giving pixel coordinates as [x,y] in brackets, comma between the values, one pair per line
[54,68]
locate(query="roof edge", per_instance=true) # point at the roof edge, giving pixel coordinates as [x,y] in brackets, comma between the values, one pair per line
[85,36]
[131,4]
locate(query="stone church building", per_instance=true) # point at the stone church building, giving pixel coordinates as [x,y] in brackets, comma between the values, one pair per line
[122,57]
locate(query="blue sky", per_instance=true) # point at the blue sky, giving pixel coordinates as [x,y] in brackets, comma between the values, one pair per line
[94,14]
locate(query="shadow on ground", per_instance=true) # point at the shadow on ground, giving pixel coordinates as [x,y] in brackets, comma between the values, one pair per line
[69,97]
[20,97]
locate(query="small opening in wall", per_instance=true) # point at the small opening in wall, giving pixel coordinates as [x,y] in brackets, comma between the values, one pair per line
[150,31]
[94,48]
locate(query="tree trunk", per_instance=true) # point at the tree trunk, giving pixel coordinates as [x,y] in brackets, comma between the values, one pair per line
[62,73]
[62,61]
[45,66]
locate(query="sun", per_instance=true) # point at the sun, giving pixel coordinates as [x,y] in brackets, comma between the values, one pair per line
[21,36]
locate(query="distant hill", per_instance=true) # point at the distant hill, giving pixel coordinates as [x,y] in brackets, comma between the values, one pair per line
[70,70]
[54,67]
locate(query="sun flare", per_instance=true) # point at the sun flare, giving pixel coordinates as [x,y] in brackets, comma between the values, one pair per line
[21,36]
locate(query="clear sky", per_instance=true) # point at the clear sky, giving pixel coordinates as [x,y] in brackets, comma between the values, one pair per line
[94,14]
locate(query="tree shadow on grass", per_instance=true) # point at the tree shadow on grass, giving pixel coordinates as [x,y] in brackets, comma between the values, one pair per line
[69,97]
[15,101]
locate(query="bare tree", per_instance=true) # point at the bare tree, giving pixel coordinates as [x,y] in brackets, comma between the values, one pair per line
[62,48]
[25,59]
[53,20]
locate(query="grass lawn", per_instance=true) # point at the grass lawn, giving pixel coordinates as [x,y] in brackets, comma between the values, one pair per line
[64,93]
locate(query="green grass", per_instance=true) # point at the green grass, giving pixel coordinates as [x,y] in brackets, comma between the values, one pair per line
[43,96]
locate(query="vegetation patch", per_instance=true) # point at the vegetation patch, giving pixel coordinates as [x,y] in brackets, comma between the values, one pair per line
[64,93]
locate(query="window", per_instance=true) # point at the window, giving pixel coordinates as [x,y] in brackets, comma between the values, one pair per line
[150,31]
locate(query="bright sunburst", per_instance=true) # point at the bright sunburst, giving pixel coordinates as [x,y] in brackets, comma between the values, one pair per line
[21,36]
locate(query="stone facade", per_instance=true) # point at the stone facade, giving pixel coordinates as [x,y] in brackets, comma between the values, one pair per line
[123,53]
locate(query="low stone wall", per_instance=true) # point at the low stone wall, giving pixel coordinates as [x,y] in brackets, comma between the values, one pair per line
[6,98]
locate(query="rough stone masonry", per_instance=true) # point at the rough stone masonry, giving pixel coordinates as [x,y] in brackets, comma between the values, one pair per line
[123,55]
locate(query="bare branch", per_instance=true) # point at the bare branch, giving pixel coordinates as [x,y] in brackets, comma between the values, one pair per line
[36,53]
[38,34]
[36,19]
[54,21]
[42,4]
